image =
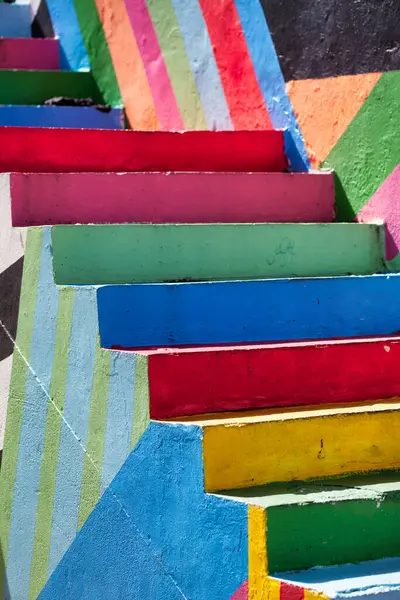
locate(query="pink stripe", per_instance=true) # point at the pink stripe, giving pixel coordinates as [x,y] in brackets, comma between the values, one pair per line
[48,199]
[154,64]
[242,592]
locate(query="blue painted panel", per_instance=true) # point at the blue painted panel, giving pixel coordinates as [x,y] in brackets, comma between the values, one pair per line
[15,20]
[60,116]
[155,534]
[148,315]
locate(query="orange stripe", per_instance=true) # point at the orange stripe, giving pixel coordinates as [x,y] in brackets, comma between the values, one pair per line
[128,64]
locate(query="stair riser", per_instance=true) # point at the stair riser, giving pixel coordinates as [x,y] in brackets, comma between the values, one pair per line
[171,198]
[60,116]
[242,455]
[35,53]
[69,150]
[309,535]
[15,20]
[95,254]
[248,312]
[35,87]
[188,383]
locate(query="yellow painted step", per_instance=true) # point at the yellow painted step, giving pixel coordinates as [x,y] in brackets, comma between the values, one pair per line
[256,448]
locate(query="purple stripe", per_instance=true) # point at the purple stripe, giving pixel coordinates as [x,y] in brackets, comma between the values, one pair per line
[163,95]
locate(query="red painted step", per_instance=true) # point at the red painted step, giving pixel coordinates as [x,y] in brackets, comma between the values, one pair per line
[78,150]
[193,381]
[50,199]
[29,54]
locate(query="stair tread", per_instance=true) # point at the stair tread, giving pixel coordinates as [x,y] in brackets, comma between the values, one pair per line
[378,577]
[111,254]
[74,150]
[373,486]
[29,53]
[15,20]
[76,117]
[164,197]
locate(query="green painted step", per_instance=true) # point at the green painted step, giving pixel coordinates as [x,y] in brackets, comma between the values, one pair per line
[101,254]
[322,523]
[34,87]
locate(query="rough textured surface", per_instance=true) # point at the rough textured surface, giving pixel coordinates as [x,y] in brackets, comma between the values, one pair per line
[68,150]
[331,38]
[247,312]
[184,382]
[109,254]
[171,198]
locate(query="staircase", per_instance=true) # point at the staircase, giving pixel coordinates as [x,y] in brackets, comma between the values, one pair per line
[260,338]
[30,76]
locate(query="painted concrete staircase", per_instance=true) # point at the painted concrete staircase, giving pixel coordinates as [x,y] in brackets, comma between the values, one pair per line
[30,75]
[282,457]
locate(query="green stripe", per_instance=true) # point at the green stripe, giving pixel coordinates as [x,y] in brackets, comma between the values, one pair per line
[35,87]
[177,63]
[51,444]
[369,149]
[90,490]
[137,253]
[26,320]
[98,52]
[141,399]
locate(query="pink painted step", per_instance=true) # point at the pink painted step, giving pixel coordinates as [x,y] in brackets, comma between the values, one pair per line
[50,199]
[29,54]
[184,381]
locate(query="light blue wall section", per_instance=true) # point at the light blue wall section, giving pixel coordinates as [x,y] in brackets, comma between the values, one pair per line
[73,55]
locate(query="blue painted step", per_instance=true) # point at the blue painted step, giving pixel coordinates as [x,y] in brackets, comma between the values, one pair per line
[235,312]
[70,117]
[15,20]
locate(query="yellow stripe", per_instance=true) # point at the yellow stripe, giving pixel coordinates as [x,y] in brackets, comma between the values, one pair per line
[261,586]
[311,595]
[249,452]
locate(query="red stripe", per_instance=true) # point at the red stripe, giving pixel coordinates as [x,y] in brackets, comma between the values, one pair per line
[243,94]
[291,592]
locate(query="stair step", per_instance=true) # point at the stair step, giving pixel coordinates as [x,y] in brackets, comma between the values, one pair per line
[33,53]
[193,381]
[255,448]
[241,312]
[35,87]
[374,580]
[171,198]
[328,522]
[15,20]
[61,116]
[72,150]
[134,253]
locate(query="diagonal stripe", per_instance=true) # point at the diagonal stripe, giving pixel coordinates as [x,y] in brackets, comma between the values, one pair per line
[99,54]
[18,384]
[154,64]
[76,414]
[90,490]
[117,443]
[73,54]
[177,62]
[268,71]
[202,62]
[129,69]
[31,442]
[51,445]
[242,91]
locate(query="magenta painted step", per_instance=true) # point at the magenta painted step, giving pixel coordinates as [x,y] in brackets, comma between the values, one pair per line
[29,54]
[49,199]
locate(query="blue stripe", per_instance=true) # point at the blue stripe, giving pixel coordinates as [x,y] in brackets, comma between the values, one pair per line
[202,62]
[15,20]
[73,55]
[236,312]
[76,413]
[60,116]
[26,489]
[117,442]
[271,81]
